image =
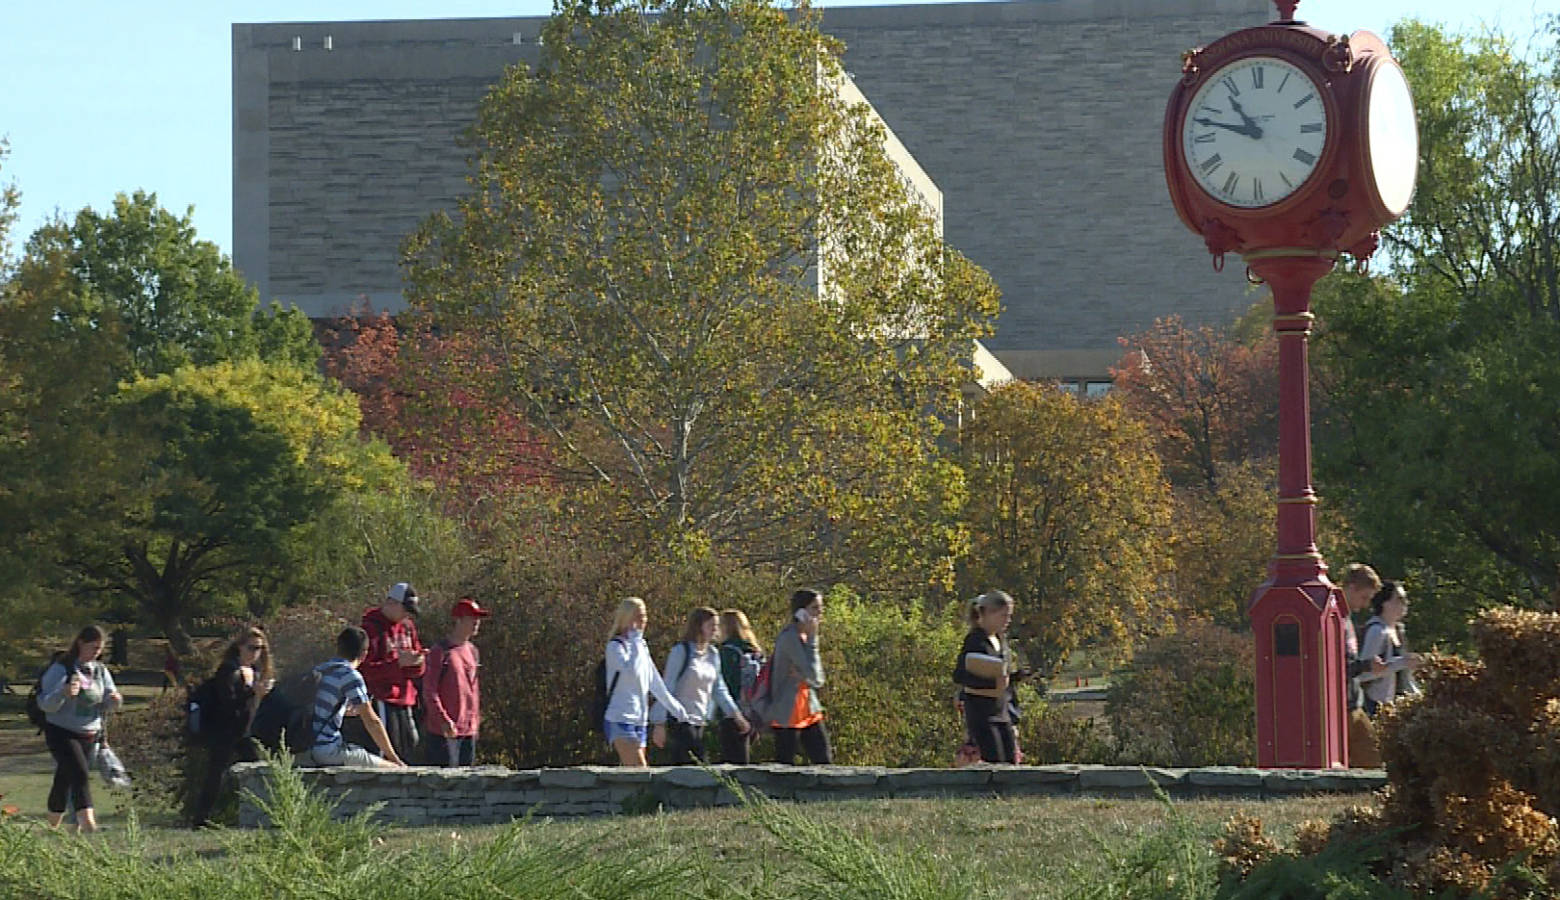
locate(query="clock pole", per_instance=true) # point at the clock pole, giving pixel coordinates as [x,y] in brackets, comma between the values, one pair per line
[1297,614]
[1232,138]
[1291,277]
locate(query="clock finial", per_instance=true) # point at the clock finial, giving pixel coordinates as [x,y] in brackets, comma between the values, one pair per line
[1286,9]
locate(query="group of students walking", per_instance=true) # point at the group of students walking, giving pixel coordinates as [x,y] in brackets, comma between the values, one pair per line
[368,695]
[702,681]
[370,692]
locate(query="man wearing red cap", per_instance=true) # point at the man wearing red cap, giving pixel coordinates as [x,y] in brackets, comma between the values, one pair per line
[450,692]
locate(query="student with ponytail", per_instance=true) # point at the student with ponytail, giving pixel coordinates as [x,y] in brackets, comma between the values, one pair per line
[985,670]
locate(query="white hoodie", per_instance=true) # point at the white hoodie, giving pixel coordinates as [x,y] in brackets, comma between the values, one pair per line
[629,662]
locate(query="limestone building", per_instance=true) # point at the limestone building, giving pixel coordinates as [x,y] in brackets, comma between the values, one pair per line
[1039,121]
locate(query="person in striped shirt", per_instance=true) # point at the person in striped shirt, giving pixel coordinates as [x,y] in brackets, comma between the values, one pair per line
[343,693]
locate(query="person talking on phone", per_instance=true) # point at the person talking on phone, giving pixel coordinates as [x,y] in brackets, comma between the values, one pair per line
[76,692]
[241,681]
[985,670]
[795,676]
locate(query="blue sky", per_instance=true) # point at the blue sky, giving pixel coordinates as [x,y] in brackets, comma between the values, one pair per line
[101,96]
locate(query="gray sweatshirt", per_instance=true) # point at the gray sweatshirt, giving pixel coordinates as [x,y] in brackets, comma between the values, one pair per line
[82,713]
[795,662]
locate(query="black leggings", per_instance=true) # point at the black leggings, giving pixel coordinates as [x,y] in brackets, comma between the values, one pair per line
[814,739]
[996,739]
[684,743]
[223,752]
[71,752]
[734,745]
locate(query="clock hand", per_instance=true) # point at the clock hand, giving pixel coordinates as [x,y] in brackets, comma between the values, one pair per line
[1250,129]
[1247,130]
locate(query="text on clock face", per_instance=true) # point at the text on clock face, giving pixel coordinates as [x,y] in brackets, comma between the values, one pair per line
[1254,131]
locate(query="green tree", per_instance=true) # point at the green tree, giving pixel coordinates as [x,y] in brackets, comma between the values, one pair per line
[92,304]
[204,475]
[1070,512]
[712,291]
[1441,379]
[172,298]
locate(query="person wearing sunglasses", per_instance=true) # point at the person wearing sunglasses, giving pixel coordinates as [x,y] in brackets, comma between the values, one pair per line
[243,678]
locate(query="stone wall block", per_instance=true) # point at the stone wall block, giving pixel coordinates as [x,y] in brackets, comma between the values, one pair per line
[568,778]
[1142,780]
[621,775]
[851,776]
[687,777]
[905,780]
[686,798]
[1310,781]
[1226,778]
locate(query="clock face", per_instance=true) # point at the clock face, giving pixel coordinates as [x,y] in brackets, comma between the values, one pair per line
[1254,132]
[1394,138]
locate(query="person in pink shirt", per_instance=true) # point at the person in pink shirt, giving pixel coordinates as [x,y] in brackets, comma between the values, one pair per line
[452,711]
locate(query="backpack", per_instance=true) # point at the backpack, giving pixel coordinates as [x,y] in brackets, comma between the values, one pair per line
[35,714]
[200,709]
[757,676]
[285,719]
[603,695]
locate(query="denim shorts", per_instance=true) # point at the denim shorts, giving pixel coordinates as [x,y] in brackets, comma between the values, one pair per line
[616,731]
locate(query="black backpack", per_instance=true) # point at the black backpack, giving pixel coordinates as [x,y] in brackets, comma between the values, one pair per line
[603,696]
[35,714]
[200,709]
[285,718]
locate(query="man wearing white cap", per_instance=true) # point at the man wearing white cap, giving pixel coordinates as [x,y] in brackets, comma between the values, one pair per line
[395,665]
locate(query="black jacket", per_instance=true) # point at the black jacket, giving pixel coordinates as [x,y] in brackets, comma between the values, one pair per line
[235,707]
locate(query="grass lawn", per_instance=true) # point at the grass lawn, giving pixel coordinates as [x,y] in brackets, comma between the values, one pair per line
[1042,848]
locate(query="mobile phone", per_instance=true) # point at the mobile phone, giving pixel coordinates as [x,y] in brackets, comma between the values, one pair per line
[803,616]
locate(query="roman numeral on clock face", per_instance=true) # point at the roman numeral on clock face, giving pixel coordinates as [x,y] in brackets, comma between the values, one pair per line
[1311,128]
[1304,157]
[1304,100]
[1256,189]
[1210,164]
[1256,78]
[1230,83]
[1230,182]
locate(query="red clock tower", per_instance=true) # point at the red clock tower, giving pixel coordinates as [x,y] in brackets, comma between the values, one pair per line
[1290,147]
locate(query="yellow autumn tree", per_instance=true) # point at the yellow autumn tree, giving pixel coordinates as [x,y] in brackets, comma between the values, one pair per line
[1069,512]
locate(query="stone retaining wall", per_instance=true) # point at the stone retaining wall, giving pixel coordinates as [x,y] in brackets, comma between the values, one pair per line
[489,794]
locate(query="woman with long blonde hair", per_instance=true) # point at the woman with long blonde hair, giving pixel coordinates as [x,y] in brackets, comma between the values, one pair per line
[739,653]
[631,679]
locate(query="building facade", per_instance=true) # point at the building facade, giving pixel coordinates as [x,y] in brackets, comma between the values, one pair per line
[1039,120]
